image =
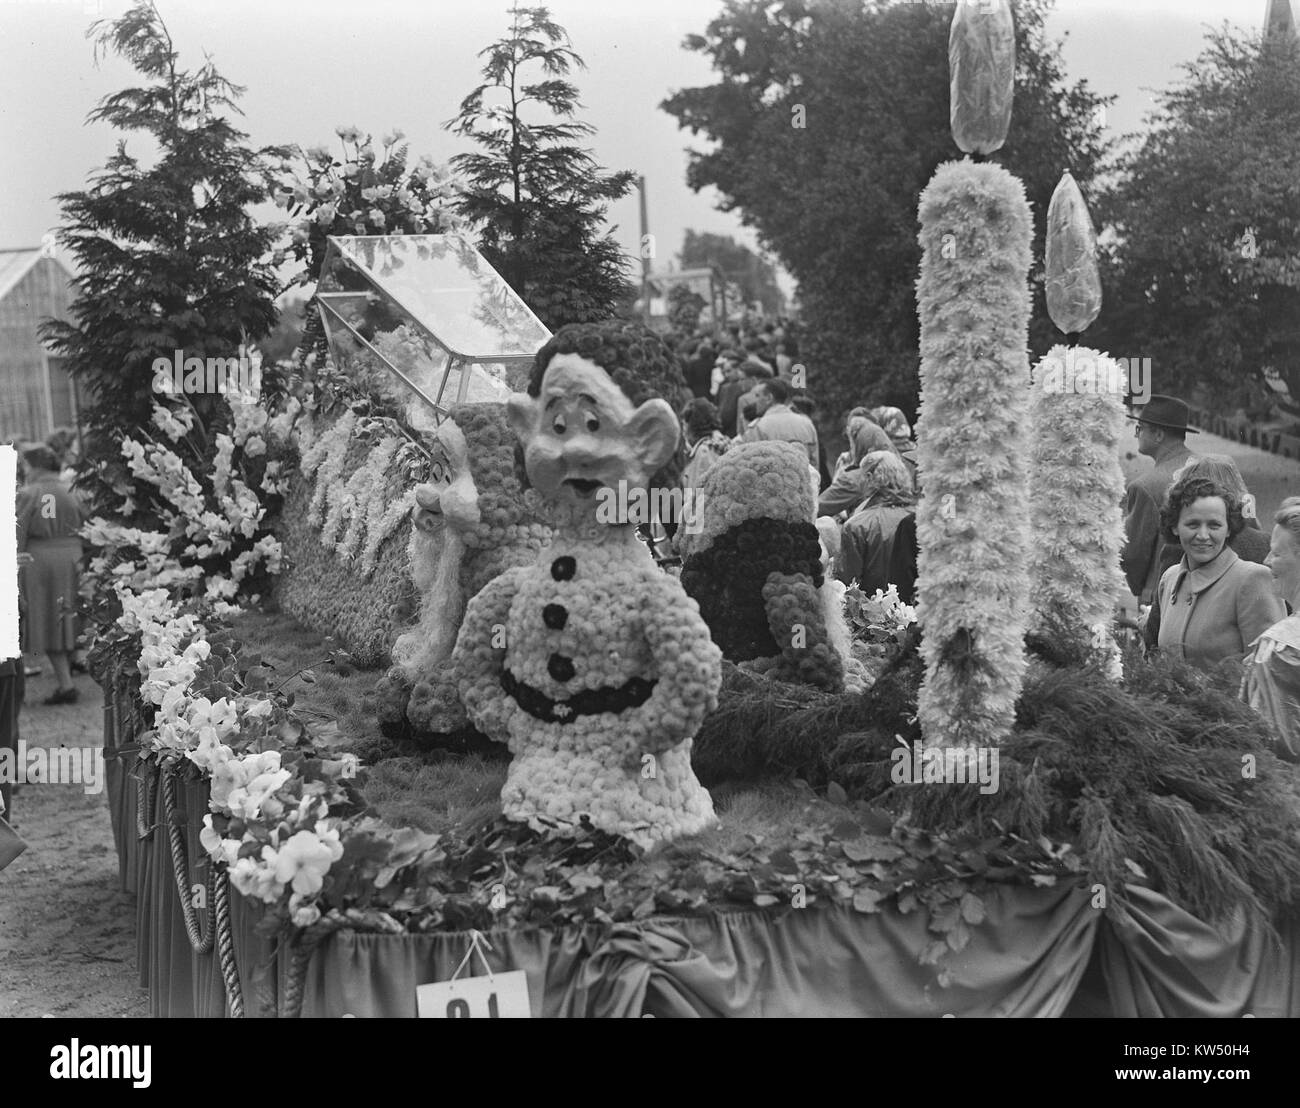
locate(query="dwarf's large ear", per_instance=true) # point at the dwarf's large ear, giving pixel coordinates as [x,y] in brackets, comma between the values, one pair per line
[653,433]
[521,412]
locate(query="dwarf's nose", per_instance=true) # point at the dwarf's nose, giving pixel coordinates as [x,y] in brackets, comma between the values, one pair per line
[582,450]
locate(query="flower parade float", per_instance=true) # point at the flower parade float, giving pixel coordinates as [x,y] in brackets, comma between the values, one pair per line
[290,859]
[676,834]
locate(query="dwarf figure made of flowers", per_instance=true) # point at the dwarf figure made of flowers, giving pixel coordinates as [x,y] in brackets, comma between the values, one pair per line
[470,524]
[755,568]
[592,664]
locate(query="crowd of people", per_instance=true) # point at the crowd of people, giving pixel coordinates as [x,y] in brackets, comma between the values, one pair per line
[747,387]
[1214,588]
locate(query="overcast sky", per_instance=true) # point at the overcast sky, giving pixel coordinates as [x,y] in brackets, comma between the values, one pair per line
[310,65]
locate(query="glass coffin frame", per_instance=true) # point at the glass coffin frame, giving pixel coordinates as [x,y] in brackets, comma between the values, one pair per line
[427,320]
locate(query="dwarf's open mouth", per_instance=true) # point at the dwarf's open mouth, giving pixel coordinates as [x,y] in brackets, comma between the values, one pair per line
[582,486]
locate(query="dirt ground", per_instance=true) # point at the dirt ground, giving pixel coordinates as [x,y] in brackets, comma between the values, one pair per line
[67,934]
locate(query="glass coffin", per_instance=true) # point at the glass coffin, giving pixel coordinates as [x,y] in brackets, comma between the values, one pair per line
[426,320]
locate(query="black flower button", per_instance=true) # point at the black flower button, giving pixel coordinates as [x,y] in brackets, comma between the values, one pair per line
[560,667]
[555,616]
[563,569]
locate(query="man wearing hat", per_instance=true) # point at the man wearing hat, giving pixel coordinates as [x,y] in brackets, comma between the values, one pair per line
[1161,431]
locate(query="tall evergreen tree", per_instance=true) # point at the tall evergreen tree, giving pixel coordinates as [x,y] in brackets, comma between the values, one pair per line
[169,256]
[537,199]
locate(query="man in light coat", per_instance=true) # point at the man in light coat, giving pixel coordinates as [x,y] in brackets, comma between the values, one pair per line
[777,421]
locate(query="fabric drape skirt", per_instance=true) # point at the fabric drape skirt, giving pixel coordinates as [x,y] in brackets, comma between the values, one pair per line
[50,586]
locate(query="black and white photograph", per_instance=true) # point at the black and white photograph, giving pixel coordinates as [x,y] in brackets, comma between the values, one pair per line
[777,509]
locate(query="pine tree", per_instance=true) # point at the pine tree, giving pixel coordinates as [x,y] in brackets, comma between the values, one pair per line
[168,254]
[537,199]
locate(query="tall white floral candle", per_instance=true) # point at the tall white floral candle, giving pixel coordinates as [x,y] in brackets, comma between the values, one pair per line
[1076,487]
[972,523]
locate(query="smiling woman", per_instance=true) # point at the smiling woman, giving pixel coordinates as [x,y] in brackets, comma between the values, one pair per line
[1213,604]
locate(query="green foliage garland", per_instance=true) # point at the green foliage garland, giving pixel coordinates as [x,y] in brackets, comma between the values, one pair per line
[1143,778]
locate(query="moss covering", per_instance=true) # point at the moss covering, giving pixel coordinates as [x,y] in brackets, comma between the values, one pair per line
[329,695]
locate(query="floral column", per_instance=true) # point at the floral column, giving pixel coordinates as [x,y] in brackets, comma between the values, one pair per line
[972,523]
[973,301]
[1076,484]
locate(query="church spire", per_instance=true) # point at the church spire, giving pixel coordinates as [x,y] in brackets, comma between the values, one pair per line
[1279,20]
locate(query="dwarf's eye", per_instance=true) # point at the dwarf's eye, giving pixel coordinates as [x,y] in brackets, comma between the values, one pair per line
[591,420]
[558,425]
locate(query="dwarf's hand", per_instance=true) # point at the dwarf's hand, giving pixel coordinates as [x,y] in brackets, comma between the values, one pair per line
[25,559]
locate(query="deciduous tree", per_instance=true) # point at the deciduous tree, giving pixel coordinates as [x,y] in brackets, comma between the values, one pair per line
[828,119]
[1202,270]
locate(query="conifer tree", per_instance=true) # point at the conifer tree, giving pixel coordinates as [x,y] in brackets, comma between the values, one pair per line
[537,199]
[168,255]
